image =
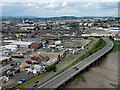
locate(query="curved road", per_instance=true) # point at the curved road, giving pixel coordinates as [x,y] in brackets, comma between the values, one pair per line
[51,74]
[65,76]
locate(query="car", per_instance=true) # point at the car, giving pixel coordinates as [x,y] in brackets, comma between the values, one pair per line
[12,87]
[4,79]
[18,56]
[37,82]
[54,70]
[21,81]
[14,64]
[1,88]
[75,68]
[35,85]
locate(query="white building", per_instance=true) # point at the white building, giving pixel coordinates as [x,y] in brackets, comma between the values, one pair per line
[57,42]
[21,44]
[114,30]
[12,48]
[4,51]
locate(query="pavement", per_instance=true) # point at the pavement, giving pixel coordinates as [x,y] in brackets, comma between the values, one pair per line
[63,77]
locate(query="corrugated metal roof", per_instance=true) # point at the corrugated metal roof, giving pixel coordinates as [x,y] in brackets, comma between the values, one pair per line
[21,43]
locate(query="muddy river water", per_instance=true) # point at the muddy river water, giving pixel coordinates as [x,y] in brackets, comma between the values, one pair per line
[103,76]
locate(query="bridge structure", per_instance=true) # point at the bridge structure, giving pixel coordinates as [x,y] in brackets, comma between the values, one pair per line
[86,64]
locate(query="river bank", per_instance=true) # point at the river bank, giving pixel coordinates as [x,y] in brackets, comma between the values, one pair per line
[103,76]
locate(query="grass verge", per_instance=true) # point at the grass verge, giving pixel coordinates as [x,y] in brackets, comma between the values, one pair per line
[44,74]
[64,61]
[116,46]
[30,81]
[99,45]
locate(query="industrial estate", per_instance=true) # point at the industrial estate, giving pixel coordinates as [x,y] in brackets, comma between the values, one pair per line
[37,52]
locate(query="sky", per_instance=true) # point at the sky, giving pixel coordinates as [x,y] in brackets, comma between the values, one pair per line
[55,8]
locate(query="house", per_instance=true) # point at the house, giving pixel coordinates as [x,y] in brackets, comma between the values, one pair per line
[39,58]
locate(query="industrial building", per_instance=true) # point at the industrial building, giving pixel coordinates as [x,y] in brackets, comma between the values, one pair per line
[5,60]
[26,45]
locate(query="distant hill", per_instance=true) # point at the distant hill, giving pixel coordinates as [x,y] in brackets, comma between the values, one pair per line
[35,18]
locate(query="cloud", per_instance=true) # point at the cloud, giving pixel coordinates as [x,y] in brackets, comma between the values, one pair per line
[64,4]
[54,5]
[109,5]
[55,8]
[30,4]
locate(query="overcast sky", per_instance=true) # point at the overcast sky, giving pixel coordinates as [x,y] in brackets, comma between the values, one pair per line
[58,8]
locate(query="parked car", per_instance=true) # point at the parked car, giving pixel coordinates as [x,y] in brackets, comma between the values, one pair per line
[4,79]
[21,81]
[18,56]
[15,64]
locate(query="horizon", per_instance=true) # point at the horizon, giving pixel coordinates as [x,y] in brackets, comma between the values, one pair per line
[59,16]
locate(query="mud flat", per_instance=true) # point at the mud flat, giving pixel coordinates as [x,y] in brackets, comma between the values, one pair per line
[103,76]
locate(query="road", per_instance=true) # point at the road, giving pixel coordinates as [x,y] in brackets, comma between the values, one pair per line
[51,74]
[63,77]
[23,74]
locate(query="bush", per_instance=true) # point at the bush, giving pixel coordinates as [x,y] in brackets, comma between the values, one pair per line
[51,67]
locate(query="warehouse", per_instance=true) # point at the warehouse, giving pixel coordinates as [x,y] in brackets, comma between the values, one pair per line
[26,45]
[21,44]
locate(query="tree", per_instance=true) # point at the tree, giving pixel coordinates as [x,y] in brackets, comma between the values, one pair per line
[51,67]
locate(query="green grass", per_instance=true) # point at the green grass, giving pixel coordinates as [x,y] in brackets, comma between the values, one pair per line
[116,46]
[69,58]
[87,46]
[99,45]
[64,61]
[30,81]
[81,77]
[44,74]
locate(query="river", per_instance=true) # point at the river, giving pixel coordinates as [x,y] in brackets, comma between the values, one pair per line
[103,76]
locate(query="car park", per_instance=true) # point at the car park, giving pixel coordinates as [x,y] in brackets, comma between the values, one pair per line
[12,72]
